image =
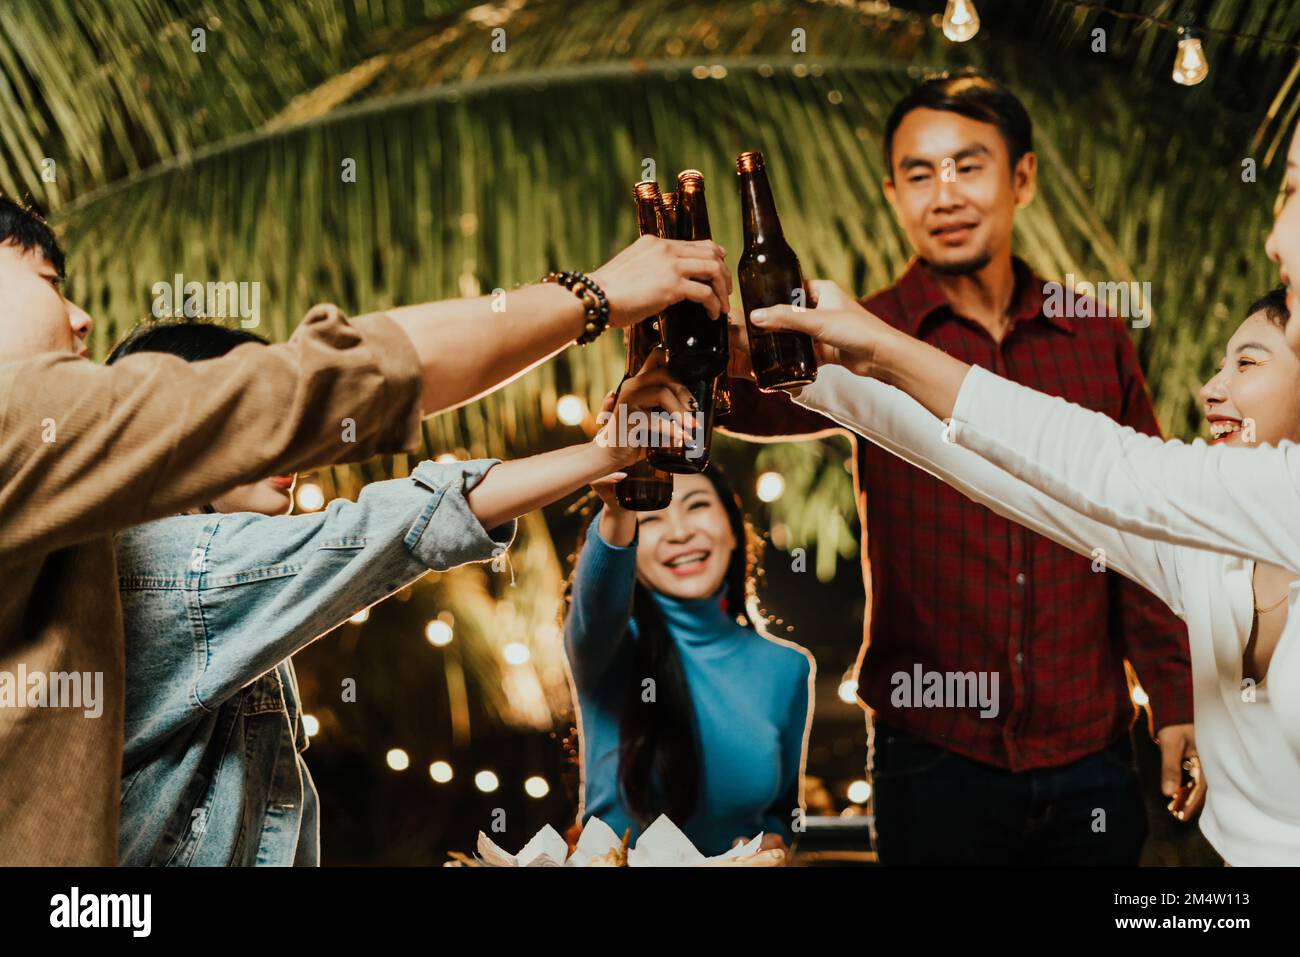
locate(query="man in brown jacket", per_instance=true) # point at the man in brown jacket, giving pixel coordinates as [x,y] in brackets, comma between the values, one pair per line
[87,450]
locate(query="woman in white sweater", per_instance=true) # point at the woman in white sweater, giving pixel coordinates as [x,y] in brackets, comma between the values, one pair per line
[1212,529]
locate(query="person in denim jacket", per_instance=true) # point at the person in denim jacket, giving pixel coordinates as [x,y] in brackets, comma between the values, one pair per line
[216,603]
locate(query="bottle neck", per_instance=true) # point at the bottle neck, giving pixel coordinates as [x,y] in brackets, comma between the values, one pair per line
[692,216]
[649,220]
[762,225]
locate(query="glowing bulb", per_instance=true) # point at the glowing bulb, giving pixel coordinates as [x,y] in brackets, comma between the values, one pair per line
[486,782]
[771,486]
[1190,65]
[1139,696]
[961,21]
[446,457]
[848,690]
[361,617]
[859,792]
[310,497]
[310,725]
[537,787]
[438,632]
[516,653]
[440,771]
[570,410]
[398,759]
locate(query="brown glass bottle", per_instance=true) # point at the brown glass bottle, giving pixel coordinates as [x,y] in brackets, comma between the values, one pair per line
[769,276]
[646,488]
[695,346]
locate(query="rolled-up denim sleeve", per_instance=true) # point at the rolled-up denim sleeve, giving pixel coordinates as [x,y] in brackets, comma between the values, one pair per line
[271,585]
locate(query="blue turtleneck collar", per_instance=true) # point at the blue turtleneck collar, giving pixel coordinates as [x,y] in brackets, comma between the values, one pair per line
[698,621]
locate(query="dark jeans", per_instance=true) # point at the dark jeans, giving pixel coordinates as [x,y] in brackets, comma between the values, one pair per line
[934,806]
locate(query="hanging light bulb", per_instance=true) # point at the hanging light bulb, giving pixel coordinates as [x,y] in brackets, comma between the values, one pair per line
[1190,65]
[961,21]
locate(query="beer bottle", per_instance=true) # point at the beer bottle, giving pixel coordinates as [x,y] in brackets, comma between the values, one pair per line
[695,346]
[646,488]
[668,206]
[668,203]
[770,276]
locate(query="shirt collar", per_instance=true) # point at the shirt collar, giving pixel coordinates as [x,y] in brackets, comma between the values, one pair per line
[922,296]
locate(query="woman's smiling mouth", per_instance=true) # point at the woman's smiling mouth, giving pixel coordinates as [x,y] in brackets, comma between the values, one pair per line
[1222,429]
[688,563]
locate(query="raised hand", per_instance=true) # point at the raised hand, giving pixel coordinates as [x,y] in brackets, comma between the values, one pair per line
[652,274]
[651,390]
[843,332]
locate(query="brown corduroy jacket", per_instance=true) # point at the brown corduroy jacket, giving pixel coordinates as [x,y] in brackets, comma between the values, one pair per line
[87,450]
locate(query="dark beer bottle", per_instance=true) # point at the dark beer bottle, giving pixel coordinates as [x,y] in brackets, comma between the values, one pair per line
[695,346]
[668,204]
[770,276]
[646,488]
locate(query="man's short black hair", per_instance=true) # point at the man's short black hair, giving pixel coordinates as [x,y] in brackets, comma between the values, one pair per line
[24,227]
[192,340]
[1273,305]
[973,95]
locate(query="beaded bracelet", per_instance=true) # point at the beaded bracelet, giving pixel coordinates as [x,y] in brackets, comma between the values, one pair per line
[594,304]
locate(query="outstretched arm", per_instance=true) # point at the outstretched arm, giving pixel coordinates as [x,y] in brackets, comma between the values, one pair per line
[1244,502]
[469,347]
[896,422]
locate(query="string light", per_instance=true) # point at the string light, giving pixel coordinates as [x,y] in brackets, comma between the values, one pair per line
[310,497]
[398,759]
[570,409]
[1167,24]
[1190,65]
[310,725]
[446,457]
[961,21]
[771,486]
[536,787]
[440,771]
[361,617]
[516,653]
[859,792]
[1140,696]
[486,782]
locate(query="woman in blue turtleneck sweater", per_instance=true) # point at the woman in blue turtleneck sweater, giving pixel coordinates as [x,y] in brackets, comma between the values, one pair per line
[683,707]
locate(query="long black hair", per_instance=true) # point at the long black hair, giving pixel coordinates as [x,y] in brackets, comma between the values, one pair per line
[658,763]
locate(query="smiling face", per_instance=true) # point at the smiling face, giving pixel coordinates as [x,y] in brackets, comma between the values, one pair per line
[685,549]
[1257,388]
[34,316]
[1283,246]
[954,191]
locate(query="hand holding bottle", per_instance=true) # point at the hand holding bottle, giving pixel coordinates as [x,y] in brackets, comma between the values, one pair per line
[651,274]
[843,332]
[648,409]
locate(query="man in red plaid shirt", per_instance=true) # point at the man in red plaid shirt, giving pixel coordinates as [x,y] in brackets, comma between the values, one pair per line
[1046,774]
